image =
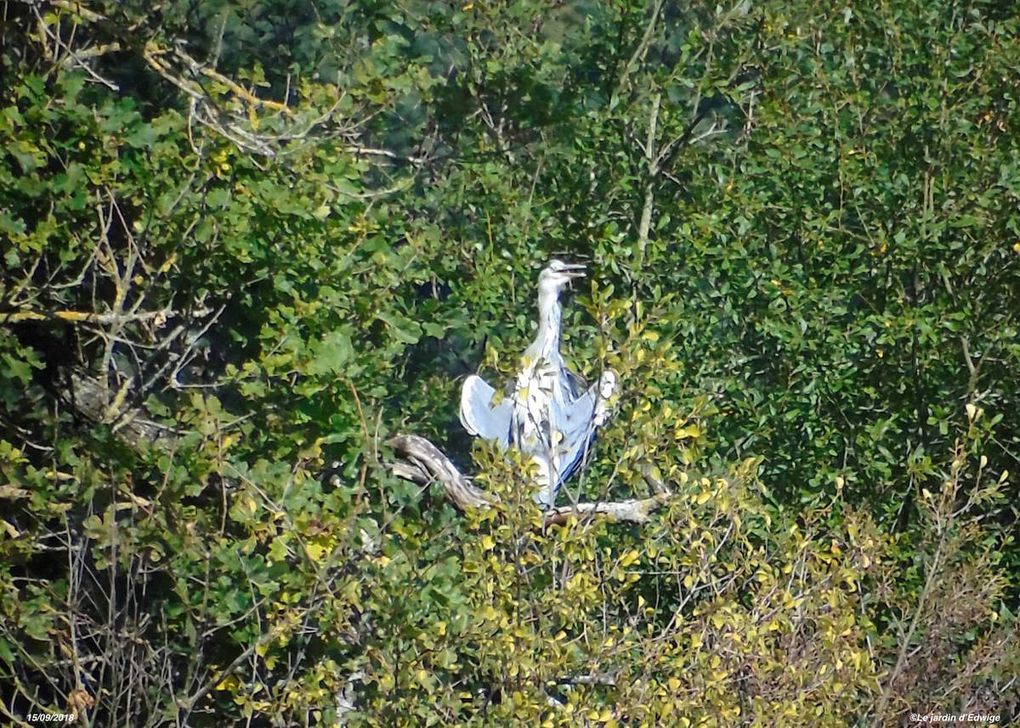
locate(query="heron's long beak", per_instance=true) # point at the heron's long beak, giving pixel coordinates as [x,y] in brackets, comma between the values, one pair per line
[574,270]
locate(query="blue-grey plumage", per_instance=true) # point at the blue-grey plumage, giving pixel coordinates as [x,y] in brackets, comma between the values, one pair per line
[550,415]
[584,416]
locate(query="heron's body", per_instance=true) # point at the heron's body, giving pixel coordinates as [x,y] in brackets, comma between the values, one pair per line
[551,415]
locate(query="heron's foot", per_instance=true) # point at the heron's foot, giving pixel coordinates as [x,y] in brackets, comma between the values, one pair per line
[607,384]
[607,387]
[544,483]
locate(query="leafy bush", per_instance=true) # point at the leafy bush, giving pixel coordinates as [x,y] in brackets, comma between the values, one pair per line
[243,248]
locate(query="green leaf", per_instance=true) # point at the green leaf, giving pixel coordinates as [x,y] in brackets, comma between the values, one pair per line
[332,354]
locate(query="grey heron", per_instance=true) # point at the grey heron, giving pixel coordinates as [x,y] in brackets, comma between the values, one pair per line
[550,414]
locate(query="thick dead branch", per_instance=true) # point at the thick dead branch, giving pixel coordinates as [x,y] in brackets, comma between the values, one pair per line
[629,511]
[422,462]
[425,463]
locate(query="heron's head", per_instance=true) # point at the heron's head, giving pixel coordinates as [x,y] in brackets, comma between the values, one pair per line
[558,274]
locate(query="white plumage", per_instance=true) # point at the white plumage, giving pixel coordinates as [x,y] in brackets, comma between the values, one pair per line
[550,414]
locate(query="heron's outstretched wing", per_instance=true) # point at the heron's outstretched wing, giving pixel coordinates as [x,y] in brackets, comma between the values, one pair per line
[580,419]
[589,406]
[575,454]
[578,427]
[577,415]
[480,416]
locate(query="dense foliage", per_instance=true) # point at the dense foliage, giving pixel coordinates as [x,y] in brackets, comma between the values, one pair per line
[244,243]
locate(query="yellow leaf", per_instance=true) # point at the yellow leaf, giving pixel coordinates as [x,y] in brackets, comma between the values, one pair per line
[629,558]
[316,552]
[167,264]
[230,682]
[688,431]
[249,504]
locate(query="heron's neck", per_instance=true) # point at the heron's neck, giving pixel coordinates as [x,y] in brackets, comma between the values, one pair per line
[549,314]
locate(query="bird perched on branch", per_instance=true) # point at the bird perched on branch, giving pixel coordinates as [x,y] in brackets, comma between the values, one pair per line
[550,413]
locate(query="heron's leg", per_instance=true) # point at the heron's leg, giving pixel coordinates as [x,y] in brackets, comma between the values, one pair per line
[551,465]
[545,493]
[607,387]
